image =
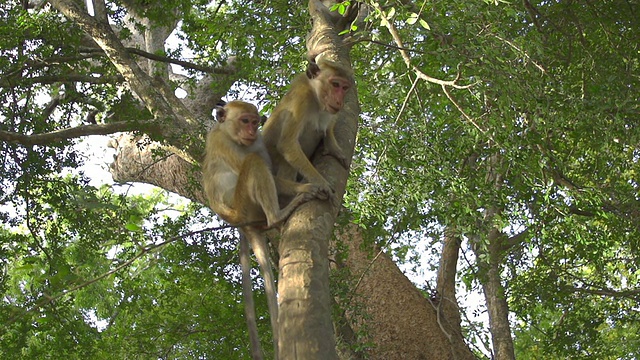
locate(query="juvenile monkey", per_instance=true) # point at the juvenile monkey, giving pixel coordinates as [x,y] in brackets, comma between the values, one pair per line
[303,118]
[241,189]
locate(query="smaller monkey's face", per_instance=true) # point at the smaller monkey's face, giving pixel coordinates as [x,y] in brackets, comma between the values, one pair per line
[247,128]
[336,88]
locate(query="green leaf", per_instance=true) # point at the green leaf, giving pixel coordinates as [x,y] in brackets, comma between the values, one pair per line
[413,18]
[342,9]
[133,227]
[391,12]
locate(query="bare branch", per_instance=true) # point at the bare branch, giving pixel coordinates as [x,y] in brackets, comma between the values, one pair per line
[185,64]
[165,59]
[390,46]
[51,79]
[407,59]
[608,292]
[522,52]
[33,64]
[72,133]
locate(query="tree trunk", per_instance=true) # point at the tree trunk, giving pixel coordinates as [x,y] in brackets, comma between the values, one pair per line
[445,299]
[400,321]
[489,258]
[305,326]
[494,294]
[305,318]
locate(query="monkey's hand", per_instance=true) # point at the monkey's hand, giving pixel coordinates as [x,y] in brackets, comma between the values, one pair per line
[310,191]
[323,190]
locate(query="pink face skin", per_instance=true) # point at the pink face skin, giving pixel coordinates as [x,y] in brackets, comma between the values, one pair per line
[248,128]
[334,97]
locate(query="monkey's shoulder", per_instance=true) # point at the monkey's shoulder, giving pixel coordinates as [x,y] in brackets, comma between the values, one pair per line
[301,94]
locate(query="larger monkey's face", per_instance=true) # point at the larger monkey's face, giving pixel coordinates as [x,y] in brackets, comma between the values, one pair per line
[334,90]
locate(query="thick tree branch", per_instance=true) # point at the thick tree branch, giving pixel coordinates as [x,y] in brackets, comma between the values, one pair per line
[136,163]
[73,133]
[175,123]
[100,11]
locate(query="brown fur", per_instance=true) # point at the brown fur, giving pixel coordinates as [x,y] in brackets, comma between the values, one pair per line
[241,189]
[304,118]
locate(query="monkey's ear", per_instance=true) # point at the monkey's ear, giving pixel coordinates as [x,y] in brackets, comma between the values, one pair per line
[312,69]
[221,114]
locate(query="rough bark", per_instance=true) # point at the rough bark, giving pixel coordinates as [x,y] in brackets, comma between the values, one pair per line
[444,301]
[401,322]
[489,257]
[496,301]
[138,159]
[305,322]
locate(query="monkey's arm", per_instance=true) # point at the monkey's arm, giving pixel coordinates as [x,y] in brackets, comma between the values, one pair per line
[289,146]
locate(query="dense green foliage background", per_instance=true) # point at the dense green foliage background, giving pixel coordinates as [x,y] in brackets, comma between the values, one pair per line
[536,135]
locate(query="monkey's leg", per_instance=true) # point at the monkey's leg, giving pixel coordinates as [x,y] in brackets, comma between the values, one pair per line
[292,188]
[247,294]
[259,246]
[256,185]
[332,148]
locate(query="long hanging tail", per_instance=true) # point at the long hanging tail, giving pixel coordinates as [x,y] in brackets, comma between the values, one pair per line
[247,294]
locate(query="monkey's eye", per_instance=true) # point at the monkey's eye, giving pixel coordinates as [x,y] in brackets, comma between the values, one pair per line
[335,84]
[244,120]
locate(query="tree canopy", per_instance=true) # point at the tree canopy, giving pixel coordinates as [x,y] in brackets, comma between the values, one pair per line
[497,152]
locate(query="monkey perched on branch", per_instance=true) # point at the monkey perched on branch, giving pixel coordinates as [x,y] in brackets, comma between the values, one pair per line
[241,189]
[303,118]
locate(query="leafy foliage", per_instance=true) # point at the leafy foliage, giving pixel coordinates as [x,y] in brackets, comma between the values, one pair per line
[534,134]
[78,274]
[552,109]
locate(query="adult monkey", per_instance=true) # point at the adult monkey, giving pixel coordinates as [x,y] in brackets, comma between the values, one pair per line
[303,118]
[241,189]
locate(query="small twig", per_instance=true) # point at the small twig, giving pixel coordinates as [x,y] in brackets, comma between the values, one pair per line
[407,59]
[390,46]
[406,99]
[524,53]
